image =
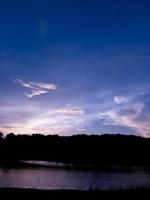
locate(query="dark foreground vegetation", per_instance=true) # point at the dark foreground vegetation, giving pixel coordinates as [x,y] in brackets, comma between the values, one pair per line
[97,151]
[73,194]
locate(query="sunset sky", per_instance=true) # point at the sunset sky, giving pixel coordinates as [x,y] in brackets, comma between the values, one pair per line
[75,66]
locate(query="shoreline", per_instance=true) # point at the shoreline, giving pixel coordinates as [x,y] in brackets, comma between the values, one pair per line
[27,164]
[19,192]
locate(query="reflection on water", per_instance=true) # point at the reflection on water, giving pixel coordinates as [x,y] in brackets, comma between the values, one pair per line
[47,163]
[59,178]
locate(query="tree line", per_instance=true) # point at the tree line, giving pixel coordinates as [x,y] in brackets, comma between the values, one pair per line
[96,150]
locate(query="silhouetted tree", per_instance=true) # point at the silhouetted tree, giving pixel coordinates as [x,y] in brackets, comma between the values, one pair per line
[1,135]
[95,150]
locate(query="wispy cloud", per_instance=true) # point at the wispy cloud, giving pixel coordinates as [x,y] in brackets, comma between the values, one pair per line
[81,130]
[33,118]
[70,111]
[114,118]
[55,122]
[120,99]
[37,88]
[128,115]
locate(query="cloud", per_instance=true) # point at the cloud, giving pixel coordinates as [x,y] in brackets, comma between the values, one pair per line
[37,88]
[56,122]
[71,111]
[81,130]
[35,92]
[39,119]
[120,99]
[80,115]
[130,111]
[128,116]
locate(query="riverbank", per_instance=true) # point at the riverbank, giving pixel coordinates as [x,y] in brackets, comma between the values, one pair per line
[34,164]
[91,194]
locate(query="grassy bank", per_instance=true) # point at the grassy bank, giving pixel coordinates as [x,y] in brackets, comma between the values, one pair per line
[91,194]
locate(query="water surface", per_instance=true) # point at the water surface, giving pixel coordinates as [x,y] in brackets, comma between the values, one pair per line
[61,178]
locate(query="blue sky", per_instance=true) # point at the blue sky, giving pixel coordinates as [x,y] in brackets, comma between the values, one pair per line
[70,67]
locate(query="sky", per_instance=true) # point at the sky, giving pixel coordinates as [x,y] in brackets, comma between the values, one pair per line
[75,67]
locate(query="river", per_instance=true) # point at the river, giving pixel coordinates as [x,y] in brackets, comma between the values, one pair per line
[45,177]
